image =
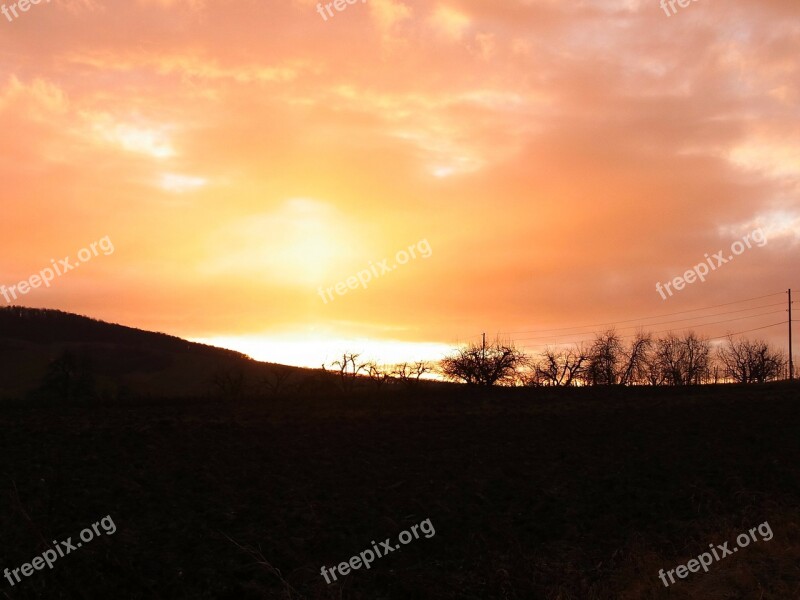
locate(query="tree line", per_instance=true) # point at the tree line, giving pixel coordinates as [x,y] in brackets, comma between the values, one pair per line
[671,360]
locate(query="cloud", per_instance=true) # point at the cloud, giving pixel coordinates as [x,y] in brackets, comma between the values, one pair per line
[449,22]
[387,14]
[561,157]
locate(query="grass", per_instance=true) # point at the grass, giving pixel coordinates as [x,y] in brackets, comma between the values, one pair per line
[583,494]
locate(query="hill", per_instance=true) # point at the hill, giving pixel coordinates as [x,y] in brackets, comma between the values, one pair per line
[119,360]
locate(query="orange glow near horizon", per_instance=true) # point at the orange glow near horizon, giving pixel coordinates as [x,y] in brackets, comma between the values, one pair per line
[313,351]
[560,159]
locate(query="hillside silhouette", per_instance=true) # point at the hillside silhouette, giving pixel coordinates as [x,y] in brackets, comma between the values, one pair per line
[121,360]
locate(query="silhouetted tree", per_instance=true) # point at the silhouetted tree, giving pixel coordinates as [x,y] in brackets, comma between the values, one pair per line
[348,368]
[634,359]
[68,379]
[275,381]
[751,362]
[228,384]
[560,367]
[478,364]
[378,374]
[410,373]
[683,360]
[605,358]
[652,368]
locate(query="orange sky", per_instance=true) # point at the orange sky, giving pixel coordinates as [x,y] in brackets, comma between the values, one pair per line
[560,158]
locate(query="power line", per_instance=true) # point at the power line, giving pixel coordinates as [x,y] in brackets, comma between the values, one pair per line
[730,312]
[774,312]
[642,318]
[748,331]
[588,341]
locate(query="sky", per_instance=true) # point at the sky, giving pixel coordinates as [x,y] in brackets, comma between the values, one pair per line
[548,162]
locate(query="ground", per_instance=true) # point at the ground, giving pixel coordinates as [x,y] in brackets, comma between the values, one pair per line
[583,494]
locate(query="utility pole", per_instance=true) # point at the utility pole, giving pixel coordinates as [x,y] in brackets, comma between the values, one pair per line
[791,362]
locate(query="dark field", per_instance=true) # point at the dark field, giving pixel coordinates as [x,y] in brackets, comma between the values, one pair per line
[532,494]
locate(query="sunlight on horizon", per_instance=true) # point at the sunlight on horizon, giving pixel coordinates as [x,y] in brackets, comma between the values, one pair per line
[309,352]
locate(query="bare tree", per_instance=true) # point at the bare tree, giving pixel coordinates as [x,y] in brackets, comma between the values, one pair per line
[605,359]
[751,362]
[698,358]
[69,378]
[277,378]
[348,369]
[683,360]
[634,364]
[229,384]
[735,358]
[403,372]
[483,365]
[652,368]
[420,368]
[409,374]
[768,363]
[560,367]
[379,375]
[670,359]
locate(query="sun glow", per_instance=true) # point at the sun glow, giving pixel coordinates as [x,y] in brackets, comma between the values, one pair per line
[298,244]
[311,351]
